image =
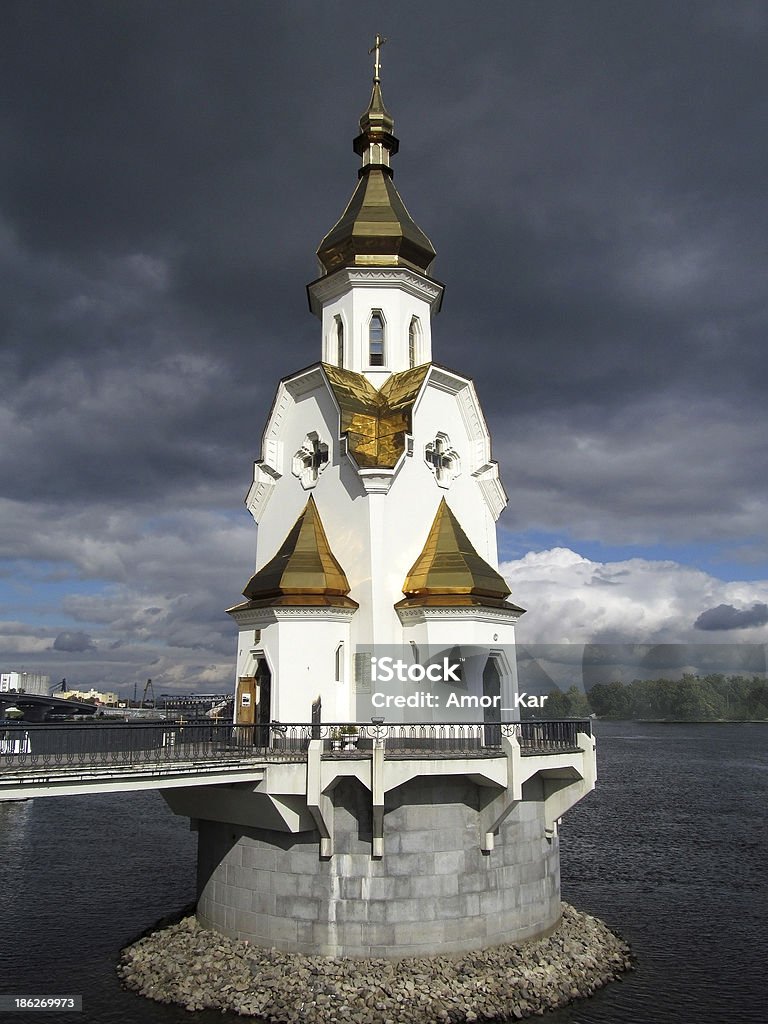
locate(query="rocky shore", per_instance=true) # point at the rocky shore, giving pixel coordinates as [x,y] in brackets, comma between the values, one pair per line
[202,969]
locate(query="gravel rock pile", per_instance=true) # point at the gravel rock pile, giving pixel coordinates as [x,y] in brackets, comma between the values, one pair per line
[201,969]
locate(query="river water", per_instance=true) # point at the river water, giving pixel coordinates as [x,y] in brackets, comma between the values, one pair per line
[671,850]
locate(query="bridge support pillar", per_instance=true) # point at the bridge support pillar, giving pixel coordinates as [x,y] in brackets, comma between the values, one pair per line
[421,885]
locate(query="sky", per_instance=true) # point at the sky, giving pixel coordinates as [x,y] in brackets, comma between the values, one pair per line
[592,176]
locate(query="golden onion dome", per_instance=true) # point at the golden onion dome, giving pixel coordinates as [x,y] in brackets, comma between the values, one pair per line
[376,229]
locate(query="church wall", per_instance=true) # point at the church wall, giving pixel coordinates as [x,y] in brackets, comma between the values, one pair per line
[439,411]
[307,670]
[300,649]
[475,635]
[397,306]
[335,489]
[376,537]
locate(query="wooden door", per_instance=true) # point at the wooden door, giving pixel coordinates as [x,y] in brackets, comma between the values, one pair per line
[245,707]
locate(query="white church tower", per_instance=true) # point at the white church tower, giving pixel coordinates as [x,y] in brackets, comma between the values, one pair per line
[376,499]
[375,495]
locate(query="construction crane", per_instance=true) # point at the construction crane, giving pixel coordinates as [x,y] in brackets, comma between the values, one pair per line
[148,688]
[219,709]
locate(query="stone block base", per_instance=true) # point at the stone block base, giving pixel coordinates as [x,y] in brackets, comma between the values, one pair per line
[433,891]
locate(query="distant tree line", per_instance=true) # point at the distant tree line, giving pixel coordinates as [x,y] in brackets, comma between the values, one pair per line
[708,698]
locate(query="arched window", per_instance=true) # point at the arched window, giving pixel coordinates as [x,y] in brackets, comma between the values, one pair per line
[376,339]
[339,342]
[413,340]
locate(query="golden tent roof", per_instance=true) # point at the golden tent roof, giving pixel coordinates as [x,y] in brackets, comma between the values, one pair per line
[450,572]
[304,572]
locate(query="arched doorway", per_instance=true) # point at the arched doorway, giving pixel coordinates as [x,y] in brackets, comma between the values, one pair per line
[254,703]
[492,714]
[264,706]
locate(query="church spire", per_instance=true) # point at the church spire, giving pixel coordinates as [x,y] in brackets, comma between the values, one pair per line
[376,143]
[376,48]
[376,229]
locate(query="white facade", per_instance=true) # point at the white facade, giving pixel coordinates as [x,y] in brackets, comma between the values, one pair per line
[364,511]
[376,519]
[404,298]
[379,436]
[26,682]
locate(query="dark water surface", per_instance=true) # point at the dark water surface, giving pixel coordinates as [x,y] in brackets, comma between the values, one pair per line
[671,850]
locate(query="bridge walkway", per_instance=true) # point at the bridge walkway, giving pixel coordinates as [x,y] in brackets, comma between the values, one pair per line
[65,759]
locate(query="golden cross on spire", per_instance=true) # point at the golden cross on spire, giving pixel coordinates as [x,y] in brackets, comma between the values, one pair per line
[377,62]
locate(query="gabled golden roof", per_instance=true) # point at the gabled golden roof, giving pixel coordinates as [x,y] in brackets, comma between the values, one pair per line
[376,422]
[304,571]
[450,572]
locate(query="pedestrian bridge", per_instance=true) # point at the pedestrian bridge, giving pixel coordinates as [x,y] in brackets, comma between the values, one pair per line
[64,759]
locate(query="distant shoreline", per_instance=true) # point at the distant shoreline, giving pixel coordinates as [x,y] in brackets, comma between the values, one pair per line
[687,721]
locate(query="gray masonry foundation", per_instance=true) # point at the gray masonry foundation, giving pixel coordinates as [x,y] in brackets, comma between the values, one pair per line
[432,891]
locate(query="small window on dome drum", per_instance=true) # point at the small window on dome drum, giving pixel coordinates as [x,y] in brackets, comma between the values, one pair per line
[339,342]
[413,337]
[376,339]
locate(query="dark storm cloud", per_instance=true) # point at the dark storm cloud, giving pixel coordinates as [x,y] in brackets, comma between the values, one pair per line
[592,178]
[672,466]
[725,616]
[73,643]
[602,172]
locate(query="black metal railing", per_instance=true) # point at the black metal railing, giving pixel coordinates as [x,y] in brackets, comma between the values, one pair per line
[547,736]
[128,744]
[439,738]
[75,746]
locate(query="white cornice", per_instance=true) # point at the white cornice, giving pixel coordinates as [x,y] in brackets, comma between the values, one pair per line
[326,289]
[260,491]
[377,481]
[305,381]
[493,489]
[446,380]
[250,617]
[503,616]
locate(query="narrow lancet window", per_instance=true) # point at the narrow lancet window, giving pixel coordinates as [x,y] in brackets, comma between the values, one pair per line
[339,342]
[413,340]
[376,339]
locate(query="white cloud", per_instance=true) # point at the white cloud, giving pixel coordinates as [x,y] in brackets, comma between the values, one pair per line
[22,644]
[149,591]
[591,622]
[571,599]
